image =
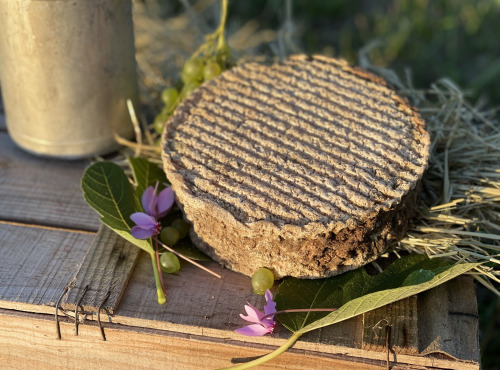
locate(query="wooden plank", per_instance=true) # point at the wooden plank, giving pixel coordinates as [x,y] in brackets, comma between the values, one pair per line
[448,320]
[57,254]
[400,319]
[204,306]
[42,191]
[131,348]
[36,264]
[107,266]
[199,304]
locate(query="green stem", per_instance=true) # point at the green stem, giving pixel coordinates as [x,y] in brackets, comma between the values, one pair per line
[222,25]
[159,289]
[218,34]
[223,17]
[157,255]
[269,356]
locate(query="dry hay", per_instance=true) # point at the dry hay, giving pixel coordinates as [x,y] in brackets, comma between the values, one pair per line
[460,206]
[459,215]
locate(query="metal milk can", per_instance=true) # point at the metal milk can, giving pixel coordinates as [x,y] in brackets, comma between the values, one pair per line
[67,68]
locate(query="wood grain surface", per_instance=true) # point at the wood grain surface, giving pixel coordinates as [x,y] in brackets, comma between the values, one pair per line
[138,348]
[36,264]
[42,191]
[448,320]
[103,274]
[133,348]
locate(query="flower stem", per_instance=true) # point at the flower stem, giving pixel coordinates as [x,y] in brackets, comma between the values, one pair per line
[159,290]
[159,267]
[188,259]
[290,342]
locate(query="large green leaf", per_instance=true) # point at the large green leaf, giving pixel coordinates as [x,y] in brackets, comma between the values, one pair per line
[146,174]
[357,292]
[107,189]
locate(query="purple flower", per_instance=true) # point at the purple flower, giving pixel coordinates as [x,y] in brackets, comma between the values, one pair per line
[155,207]
[262,324]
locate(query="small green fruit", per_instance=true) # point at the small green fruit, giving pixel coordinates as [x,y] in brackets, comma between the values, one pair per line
[192,71]
[262,279]
[181,226]
[170,236]
[169,263]
[211,70]
[169,96]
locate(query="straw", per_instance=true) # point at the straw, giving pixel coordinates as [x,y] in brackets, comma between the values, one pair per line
[459,213]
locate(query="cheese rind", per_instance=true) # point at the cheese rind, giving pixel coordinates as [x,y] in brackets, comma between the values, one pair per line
[309,167]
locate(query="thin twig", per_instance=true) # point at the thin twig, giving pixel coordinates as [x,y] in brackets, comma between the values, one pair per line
[188,259]
[137,126]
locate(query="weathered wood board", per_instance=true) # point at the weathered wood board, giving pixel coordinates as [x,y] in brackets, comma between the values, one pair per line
[200,305]
[103,274]
[447,312]
[129,346]
[207,308]
[36,264]
[218,306]
[42,191]
[132,348]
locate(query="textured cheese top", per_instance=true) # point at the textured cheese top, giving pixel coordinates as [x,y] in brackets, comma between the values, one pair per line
[308,140]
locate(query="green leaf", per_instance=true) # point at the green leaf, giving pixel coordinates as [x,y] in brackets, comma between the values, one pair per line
[356,292]
[146,174]
[107,189]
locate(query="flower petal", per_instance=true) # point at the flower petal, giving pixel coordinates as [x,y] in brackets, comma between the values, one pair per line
[254,330]
[165,201]
[250,319]
[148,201]
[253,313]
[140,233]
[270,307]
[143,220]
